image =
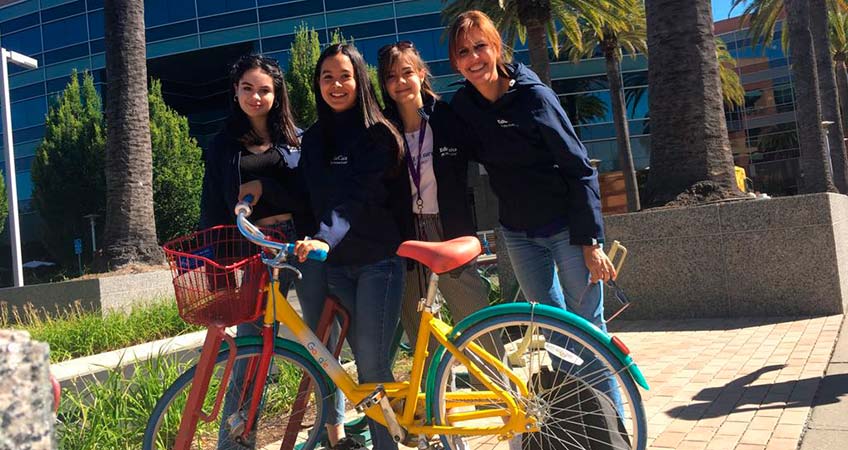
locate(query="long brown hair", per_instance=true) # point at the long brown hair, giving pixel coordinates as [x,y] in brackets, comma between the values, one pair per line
[388,56]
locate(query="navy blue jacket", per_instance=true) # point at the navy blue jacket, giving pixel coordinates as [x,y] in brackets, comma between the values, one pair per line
[451,150]
[346,169]
[538,168]
[285,193]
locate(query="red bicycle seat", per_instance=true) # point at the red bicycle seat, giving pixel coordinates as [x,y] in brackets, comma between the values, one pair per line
[442,257]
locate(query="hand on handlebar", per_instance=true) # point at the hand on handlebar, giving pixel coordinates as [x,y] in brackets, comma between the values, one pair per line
[252,188]
[302,248]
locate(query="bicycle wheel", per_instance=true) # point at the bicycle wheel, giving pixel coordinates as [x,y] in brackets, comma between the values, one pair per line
[580,394]
[282,382]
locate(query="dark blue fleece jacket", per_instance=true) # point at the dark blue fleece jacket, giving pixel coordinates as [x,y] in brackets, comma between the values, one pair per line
[346,169]
[538,168]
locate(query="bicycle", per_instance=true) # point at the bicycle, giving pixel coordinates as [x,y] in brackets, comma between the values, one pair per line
[469,392]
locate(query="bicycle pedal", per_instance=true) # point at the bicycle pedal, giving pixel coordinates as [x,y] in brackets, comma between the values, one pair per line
[371,400]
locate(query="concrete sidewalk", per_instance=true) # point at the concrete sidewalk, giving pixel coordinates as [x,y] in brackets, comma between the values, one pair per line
[828,425]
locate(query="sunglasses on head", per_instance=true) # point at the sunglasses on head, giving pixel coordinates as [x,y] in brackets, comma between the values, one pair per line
[400,45]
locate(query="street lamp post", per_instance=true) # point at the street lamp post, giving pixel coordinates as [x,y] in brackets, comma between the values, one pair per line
[9,154]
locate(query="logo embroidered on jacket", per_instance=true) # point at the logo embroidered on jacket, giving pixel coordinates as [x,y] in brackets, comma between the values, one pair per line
[447,151]
[506,124]
[339,160]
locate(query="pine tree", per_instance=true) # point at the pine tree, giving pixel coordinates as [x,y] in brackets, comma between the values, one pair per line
[67,173]
[177,169]
[305,50]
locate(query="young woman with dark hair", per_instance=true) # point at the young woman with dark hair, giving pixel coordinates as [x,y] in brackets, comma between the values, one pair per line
[351,161]
[436,159]
[258,153]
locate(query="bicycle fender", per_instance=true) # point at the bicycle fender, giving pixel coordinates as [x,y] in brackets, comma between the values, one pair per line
[286,344]
[537,309]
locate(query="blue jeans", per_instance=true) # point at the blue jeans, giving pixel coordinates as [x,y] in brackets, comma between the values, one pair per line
[372,294]
[311,292]
[553,272]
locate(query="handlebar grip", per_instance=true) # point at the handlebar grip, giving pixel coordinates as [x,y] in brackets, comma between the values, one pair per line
[244,206]
[317,255]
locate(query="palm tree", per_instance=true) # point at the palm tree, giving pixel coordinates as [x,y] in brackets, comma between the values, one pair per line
[536,22]
[839,48]
[763,16]
[689,143]
[629,34]
[732,90]
[816,171]
[130,225]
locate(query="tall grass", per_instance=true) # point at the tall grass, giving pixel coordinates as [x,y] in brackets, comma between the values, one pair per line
[77,332]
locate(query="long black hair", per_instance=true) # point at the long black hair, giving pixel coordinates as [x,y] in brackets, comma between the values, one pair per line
[366,102]
[280,121]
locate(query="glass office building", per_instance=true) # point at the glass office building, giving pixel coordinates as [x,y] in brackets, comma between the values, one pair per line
[190,44]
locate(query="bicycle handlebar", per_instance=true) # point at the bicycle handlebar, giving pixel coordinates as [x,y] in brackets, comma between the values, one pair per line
[253,234]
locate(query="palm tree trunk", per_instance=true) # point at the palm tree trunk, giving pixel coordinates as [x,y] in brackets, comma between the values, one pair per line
[689,142]
[820,29]
[537,41]
[622,130]
[816,173]
[130,225]
[842,85]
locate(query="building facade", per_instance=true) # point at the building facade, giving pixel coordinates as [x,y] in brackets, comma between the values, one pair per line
[190,44]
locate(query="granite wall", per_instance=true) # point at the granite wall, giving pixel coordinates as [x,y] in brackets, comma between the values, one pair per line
[785,256]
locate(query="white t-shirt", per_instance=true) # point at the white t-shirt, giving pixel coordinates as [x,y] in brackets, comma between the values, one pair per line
[428,177]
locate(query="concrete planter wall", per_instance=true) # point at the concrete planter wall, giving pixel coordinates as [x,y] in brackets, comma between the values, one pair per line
[778,257]
[109,293]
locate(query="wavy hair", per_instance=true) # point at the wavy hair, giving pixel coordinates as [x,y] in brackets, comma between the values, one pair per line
[281,125]
[386,60]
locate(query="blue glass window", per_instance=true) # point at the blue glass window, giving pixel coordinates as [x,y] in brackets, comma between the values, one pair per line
[62,11]
[25,92]
[57,84]
[171,31]
[19,24]
[227,20]
[66,53]
[636,100]
[28,113]
[209,7]
[273,2]
[293,9]
[420,22]
[28,134]
[342,4]
[572,85]
[439,68]
[370,47]
[97,46]
[95,24]
[364,30]
[27,42]
[65,32]
[277,43]
[632,79]
[95,4]
[428,43]
[161,12]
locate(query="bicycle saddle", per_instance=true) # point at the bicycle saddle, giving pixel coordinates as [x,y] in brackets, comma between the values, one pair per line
[442,257]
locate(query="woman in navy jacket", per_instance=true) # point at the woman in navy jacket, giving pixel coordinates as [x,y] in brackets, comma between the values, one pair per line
[548,194]
[258,152]
[351,161]
[435,202]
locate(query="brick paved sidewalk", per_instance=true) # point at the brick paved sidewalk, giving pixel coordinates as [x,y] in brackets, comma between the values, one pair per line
[744,384]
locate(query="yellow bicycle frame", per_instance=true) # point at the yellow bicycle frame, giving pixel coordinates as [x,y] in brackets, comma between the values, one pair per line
[278,309]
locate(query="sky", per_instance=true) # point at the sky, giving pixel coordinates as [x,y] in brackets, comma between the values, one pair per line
[722,7]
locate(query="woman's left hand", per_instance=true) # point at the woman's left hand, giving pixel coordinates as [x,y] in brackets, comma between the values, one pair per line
[599,265]
[253,188]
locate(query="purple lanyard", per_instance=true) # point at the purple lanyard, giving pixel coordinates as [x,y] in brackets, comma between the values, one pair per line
[415,167]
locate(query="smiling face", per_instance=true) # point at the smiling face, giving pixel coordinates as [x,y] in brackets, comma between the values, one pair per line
[476,58]
[255,93]
[403,81]
[338,85]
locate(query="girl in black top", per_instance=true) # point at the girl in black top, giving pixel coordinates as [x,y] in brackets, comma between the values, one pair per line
[351,161]
[258,153]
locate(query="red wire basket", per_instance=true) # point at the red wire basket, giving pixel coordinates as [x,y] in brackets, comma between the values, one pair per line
[218,276]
